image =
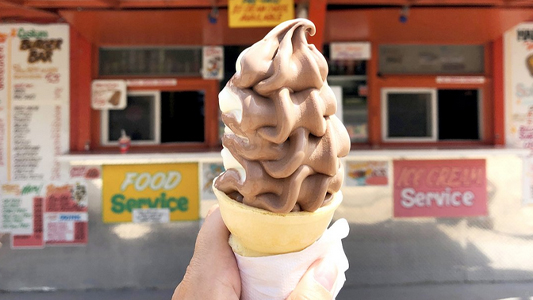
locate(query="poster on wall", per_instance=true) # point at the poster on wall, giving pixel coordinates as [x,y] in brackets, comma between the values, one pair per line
[440,188]
[34,101]
[366,173]
[518,57]
[157,193]
[66,214]
[210,170]
[259,13]
[39,214]
[108,94]
[213,62]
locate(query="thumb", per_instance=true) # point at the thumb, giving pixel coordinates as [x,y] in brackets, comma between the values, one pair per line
[317,283]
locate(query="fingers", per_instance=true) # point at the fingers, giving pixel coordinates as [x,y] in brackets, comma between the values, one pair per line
[213,232]
[317,283]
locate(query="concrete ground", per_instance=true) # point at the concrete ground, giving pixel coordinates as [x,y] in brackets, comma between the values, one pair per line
[478,291]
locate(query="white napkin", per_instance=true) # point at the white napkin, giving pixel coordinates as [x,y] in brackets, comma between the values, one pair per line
[275,277]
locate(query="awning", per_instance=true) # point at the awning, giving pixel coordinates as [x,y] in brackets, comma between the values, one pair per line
[159,27]
[444,25]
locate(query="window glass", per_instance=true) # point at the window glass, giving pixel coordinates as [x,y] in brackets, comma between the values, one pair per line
[157,117]
[354,111]
[409,115]
[182,116]
[458,114]
[429,115]
[137,119]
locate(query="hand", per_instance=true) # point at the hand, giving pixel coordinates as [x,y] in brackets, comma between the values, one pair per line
[212,272]
[317,283]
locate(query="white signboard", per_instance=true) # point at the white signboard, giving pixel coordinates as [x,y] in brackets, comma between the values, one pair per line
[350,51]
[108,94]
[213,62]
[460,79]
[151,215]
[518,64]
[34,101]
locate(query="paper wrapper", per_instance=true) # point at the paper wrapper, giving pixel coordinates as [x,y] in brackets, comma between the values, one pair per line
[273,251]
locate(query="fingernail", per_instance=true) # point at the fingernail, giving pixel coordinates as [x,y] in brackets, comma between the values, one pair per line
[326,274]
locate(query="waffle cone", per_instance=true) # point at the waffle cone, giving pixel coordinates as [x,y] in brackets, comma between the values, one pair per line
[257,232]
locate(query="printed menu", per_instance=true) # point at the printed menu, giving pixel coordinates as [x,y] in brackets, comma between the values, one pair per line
[34,101]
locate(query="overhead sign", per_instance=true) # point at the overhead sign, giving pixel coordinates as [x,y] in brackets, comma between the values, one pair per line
[440,188]
[259,13]
[350,51]
[167,187]
[108,94]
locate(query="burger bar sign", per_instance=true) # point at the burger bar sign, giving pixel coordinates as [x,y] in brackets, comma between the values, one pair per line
[440,188]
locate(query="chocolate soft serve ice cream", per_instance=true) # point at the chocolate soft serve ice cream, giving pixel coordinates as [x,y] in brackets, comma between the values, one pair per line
[282,141]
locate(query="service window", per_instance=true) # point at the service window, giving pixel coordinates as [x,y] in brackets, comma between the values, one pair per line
[421,115]
[157,117]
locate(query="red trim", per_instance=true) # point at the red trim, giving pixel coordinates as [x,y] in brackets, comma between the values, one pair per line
[499,96]
[317,14]
[80,91]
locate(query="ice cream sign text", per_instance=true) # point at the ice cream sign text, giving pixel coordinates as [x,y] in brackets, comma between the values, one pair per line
[172,187]
[439,188]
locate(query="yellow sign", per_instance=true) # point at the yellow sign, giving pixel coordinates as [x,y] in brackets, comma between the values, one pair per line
[259,13]
[171,188]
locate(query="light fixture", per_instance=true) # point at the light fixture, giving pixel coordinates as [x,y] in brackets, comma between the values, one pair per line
[404,14]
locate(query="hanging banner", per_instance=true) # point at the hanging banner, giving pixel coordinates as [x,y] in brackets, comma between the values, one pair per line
[108,94]
[34,101]
[167,187]
[366,173]
[440,188]
[213,62]
[259,13]
[518,64]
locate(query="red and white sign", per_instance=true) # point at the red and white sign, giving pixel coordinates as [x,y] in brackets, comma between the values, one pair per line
[66,214]
[460,79]
[151,82]
[350,51]
[108,94]
[440,188]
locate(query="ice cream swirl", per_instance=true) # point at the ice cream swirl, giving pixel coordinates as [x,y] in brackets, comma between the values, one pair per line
[282,142]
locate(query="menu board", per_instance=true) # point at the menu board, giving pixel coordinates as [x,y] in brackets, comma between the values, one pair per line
[39,214]
[34,101]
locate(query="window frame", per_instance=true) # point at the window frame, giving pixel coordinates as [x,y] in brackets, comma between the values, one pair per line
[385,120]
[104,120]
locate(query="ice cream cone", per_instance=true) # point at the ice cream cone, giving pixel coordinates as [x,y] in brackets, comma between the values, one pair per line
[256,232]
